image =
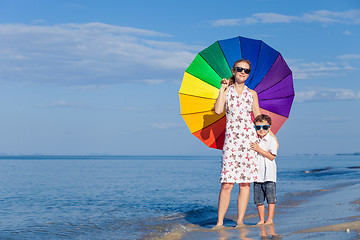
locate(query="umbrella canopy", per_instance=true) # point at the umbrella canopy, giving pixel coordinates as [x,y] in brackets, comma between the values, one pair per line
[270,77]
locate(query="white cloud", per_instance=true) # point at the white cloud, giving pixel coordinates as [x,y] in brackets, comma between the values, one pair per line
[311,70]
[88,54]
[326,94]
[325,16]
[349,56]
[227,22]
[274,18]
[322,16]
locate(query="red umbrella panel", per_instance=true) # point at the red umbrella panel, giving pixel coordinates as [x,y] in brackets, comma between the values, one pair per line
[270,77]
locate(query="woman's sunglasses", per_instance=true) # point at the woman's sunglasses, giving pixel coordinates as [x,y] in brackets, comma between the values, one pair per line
[265,127]
[240,69]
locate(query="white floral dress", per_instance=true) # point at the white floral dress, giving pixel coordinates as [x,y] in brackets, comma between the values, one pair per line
[239,161]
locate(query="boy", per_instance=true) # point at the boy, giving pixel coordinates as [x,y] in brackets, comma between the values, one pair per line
[265,187]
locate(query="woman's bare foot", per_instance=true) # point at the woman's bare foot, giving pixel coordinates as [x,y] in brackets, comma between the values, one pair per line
[218,227]
[269,222]
[260,223]
[240,225]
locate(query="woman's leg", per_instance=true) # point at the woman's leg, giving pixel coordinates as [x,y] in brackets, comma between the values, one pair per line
[224,201]
[243,199]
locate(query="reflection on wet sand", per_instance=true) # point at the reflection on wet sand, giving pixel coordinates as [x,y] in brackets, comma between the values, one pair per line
[265,232]
[243,232]
[224,235]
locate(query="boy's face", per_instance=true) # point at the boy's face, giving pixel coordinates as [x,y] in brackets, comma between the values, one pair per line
[262,133]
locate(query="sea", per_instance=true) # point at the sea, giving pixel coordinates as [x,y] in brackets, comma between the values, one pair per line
[137,197]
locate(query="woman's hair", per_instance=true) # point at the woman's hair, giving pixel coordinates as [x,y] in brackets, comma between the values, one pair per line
[232,78]
[263,117]
[241,60]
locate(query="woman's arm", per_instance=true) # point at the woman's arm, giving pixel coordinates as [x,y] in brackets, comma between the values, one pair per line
[220,101]
[255,106]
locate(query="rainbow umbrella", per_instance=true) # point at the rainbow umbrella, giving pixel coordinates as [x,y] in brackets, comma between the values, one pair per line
[270,77]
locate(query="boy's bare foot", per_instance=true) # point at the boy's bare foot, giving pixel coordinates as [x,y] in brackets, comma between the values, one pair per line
[269,222]
[261,223]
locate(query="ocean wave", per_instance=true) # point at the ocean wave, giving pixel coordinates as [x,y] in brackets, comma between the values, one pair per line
[317,170]
[330,171]
[174,226]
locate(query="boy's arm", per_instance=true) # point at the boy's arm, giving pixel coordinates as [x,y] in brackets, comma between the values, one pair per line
[273,135]
[256,147]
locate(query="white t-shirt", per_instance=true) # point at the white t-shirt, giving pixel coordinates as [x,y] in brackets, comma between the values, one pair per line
[267,167]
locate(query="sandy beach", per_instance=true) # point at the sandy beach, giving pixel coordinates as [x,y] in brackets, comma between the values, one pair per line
[331,213]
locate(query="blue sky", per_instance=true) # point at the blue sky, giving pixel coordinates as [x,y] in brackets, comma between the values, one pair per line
[102,77]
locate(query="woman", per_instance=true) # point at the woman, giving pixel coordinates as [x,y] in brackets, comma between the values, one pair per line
[239,163]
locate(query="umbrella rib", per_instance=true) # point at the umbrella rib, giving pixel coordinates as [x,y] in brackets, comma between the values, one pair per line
[210,64]
[194,75]
[202,79]
[275,113]
[215,123]
[266,72]
[274,84]
[183,114]
[197,96]
[218,136]
[257,59]
[226,57]
[266,99]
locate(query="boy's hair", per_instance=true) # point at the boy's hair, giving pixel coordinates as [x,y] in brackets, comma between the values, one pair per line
[263,117]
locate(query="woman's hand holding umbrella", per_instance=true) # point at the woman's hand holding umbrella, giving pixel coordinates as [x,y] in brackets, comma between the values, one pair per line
[224,84]
[220,101]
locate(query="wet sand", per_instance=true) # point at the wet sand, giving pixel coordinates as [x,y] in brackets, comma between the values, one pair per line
[331,213]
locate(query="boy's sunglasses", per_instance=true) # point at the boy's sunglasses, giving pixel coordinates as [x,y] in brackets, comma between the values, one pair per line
[240,69]
[265,127]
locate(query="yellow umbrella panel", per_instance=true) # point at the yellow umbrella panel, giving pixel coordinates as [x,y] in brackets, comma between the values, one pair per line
[197,99]
[198,93]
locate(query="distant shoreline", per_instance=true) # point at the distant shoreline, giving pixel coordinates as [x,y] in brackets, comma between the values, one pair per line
[85,156]
[348,154]
[40,157]
[57,156]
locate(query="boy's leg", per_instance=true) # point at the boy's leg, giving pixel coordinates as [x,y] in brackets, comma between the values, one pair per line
[261,211]
[270,189]
[259,198]
[271,212]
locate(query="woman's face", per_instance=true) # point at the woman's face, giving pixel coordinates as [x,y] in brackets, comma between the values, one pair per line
[240,77]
